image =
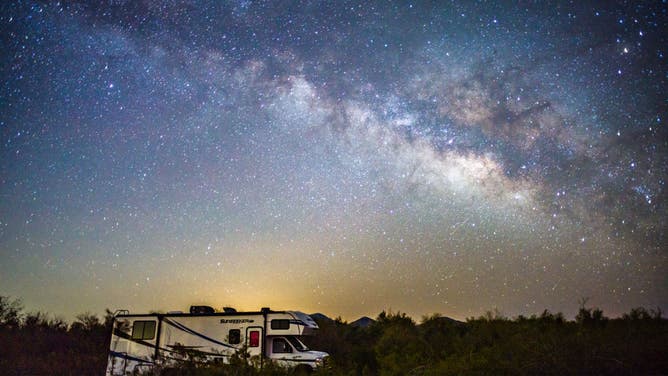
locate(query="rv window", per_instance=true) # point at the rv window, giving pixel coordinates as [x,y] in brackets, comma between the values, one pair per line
[280,345]
[234,336]
[297,344]
[280,324]
[254,339]
[143,330]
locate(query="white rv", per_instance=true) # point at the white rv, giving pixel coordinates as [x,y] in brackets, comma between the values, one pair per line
[140,342]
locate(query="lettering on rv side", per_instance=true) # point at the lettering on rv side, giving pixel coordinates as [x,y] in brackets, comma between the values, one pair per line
[236,321]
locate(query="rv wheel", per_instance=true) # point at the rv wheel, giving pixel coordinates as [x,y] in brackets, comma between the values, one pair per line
[169,372]
[302,370]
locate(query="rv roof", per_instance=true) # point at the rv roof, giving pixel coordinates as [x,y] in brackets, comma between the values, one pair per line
[179,313]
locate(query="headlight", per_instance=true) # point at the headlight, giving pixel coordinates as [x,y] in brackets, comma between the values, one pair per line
[321,361]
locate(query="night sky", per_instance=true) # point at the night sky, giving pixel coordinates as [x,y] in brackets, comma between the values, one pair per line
[337,157]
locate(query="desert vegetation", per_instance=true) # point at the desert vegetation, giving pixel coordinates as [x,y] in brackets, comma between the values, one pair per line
[394,344]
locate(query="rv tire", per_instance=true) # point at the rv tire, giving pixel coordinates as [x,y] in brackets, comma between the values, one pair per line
[169,372]
[302,370]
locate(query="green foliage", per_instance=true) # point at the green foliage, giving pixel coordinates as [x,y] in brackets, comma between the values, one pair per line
[547,344]
[399,349]
[39,344]
[10,312]
[640,314]
[193,364]
[493,344]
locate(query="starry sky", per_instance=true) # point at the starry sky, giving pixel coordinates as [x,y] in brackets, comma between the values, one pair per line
[337,157]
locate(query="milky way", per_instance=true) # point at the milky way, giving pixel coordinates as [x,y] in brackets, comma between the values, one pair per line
[337,157]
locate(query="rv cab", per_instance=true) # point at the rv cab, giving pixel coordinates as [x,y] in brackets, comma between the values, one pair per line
[289,349]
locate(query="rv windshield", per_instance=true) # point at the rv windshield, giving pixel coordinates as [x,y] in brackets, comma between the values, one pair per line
[297,344]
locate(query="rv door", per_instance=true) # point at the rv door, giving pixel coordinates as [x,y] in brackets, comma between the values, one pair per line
[255,340]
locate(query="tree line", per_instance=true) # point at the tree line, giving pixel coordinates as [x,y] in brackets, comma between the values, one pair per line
[636,343]
[546,344]
[40,344]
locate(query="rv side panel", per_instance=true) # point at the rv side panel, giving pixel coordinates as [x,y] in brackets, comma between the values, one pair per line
[133,344]
[206,338]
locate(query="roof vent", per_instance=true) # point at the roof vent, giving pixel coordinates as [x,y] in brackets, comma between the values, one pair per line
[229,310]
[201,310]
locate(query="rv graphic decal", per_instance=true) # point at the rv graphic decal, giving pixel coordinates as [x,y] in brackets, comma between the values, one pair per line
[128,357]
[200,335]
[236,321]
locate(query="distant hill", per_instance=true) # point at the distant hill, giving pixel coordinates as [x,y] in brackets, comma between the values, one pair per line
[319,317]
[449,320]
[366,321]
[362,322]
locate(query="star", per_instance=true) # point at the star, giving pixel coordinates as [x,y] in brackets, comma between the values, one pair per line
[381,154]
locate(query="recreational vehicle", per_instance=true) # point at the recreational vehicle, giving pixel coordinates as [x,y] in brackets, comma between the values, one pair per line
[140,342]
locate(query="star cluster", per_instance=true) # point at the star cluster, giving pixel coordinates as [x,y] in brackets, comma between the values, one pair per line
[342,157]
